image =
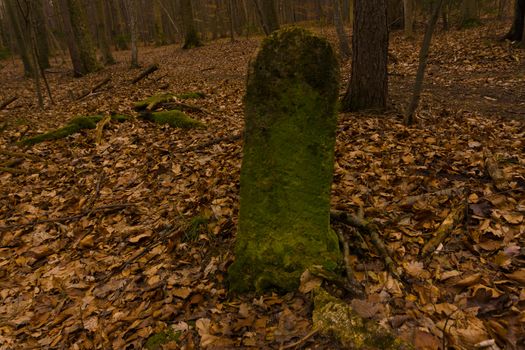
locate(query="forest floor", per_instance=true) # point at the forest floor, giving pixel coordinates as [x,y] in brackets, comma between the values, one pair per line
[105,245]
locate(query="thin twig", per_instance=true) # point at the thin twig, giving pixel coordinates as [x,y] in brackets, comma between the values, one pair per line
[104,208]
[300,341]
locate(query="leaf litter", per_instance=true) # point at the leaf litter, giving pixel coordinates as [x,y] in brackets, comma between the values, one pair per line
[100,246]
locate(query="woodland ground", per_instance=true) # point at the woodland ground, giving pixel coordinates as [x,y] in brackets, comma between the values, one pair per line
[105,245]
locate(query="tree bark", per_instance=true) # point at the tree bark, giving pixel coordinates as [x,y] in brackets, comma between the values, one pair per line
[469,13]
[132,14]
[191,37]
[368,87]
[268,14]
[102,34]
[80,43]
[342,37]
[517,31]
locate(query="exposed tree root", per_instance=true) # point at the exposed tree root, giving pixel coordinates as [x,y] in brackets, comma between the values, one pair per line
[370,230]
[453,218]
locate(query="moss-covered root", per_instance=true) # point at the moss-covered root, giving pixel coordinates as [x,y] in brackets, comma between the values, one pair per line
[151,102]
[173,118]
[288,159]
[191,95]
[73,126]
[333,317]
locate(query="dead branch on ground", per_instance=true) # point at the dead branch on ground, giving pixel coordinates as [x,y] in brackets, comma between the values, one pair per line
[370,230]
[447,226]
[145,73]
[7,102]
[94,89]
[411,200]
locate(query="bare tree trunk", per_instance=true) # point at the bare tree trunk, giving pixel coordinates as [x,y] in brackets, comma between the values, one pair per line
[21,40]
[131,7]
[368,87]
[231,16]
[80,43]
[191,37]
[342,37]
[469,13]
[102,34]
[423,56]
[268,15]
[409,13]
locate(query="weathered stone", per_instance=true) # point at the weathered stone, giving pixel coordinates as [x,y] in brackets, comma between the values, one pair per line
[284,223]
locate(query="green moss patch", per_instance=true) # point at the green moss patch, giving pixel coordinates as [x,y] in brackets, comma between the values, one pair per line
[333,317]
[173,118]
[191,95]
[73,126]
[156,341]
[151,102]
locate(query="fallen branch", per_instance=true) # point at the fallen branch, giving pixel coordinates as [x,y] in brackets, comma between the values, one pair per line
[370,230]
[94,89]
[104,208]
[300,341]
[453,218]
[145,73]
[12,163]
[411,200]
[20,155]
[7,102]
[12,171]
[100,128]
[210,143]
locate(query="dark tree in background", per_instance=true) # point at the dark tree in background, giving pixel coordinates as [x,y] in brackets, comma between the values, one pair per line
[368,87]
[79,40]
[517,30]
[191,37]
[268,14]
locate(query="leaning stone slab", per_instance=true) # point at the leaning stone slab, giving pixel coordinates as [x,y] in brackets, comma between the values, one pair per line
[288,157]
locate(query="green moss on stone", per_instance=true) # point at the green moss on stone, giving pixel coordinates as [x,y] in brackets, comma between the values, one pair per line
[333,317]
[152,101]
[284,223]
[194,95]
[156,341]
[173,118]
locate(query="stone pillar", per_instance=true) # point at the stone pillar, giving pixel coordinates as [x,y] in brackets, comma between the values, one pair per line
[288,158]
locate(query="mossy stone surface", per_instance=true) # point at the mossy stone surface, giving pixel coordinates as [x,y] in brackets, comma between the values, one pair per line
[334,317]
[288,157]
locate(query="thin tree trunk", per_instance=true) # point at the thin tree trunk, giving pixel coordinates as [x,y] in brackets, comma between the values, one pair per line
[231,16]
[409,13]
[131,6]
[342,37]
[102,34]
[423,56]
[469,13]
